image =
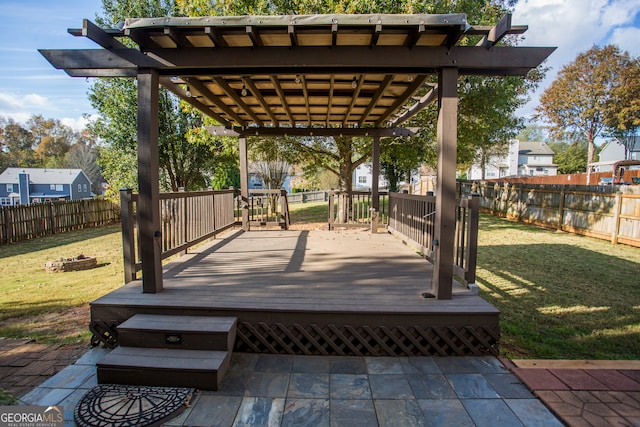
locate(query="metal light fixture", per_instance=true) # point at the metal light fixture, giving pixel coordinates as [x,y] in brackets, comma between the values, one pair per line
[244,90]
[354,83]
[188,92]
[467,84]
[297,79]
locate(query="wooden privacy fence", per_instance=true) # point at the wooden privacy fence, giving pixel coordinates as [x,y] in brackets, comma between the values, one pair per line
[352,209]
[599,213]
[187,218]
[308,196]
[266,208]
[25,222]
[412,218]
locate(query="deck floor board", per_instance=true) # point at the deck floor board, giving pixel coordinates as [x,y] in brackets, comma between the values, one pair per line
[321,271]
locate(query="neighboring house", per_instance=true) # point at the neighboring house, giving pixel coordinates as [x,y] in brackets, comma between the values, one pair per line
[256,182]
[612,151]
[525,158]
[362,178]
[21,186]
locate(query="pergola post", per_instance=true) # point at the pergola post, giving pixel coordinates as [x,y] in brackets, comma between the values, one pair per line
[244,181]
[149,181]
[375,196]
[445,220]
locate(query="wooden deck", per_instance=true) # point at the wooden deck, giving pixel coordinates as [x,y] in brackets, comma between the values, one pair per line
[313,292]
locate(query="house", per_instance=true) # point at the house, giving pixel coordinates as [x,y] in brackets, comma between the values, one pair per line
[524,158]
[613,151]
[21,186]
[362,178]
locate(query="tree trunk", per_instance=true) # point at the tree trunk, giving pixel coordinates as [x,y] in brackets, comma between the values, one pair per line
[345,152]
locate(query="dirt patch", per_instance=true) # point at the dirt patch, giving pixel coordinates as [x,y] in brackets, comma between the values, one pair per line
[60,327]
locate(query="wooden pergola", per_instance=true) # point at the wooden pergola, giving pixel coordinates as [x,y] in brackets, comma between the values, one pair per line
[300,75]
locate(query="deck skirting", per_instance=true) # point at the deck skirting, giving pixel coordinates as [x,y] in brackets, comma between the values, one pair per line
[364,340]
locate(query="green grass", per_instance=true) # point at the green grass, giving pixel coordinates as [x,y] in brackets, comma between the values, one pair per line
[561,295]
[309,212]
[46,306]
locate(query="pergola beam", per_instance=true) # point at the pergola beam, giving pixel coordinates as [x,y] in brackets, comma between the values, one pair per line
[312,132]
[312,59]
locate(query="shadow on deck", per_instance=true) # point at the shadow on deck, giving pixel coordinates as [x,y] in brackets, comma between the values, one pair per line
[314,292]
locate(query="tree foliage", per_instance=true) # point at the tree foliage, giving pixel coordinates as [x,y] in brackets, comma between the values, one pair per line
[587,96]
[47,143]
[188,154]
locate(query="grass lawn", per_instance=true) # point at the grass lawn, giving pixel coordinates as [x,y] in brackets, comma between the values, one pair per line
[561,295]
[53,307]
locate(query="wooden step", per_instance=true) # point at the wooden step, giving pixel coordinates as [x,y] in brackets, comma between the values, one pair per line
[183,332]
[201,369]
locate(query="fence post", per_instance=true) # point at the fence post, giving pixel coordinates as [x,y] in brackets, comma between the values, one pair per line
[52,218]
[561,209]
[331,213]
[128,241]
[471,254]
[616,218]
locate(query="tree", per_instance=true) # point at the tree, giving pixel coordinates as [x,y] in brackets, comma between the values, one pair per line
[582,96]
[16,143]
[187,152]
[84,155]
[571,157]
[52,140]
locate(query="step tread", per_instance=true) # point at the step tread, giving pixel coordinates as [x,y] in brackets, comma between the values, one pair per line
[163,359]
[185,324]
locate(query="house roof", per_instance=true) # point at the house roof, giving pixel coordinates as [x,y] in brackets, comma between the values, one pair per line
[534,148]
[41,176]
[268,73]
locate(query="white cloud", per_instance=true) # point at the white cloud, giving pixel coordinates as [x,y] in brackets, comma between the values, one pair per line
[574,26]
[12,102]
[78,123]
[627,39]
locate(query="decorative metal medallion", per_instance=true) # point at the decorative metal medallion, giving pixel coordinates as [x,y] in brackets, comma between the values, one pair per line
[115,405]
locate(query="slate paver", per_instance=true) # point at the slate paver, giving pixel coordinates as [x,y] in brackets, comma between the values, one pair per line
[214,411]
[306,413]
[491,412]
[275,390]
[431,387]
[259,411]
[471,386]
[352,413]
[399,413]
[445,412]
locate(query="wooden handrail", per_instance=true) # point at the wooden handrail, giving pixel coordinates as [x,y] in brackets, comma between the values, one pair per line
[187,218]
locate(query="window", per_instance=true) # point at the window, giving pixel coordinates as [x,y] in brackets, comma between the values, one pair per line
[79,188]
[362,180]
[9,188]
[59,187]
[84,187]
[52,187]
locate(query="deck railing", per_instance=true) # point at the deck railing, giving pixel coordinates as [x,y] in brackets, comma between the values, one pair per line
[266,208]
[412,217]
[355,208]
[187,218]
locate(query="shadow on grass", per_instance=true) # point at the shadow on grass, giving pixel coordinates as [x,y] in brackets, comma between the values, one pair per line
[56,240]
[563,301]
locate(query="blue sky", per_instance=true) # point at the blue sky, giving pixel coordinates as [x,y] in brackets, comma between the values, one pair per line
[29,85]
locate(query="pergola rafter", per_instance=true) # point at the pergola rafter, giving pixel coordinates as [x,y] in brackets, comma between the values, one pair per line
[302,75]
